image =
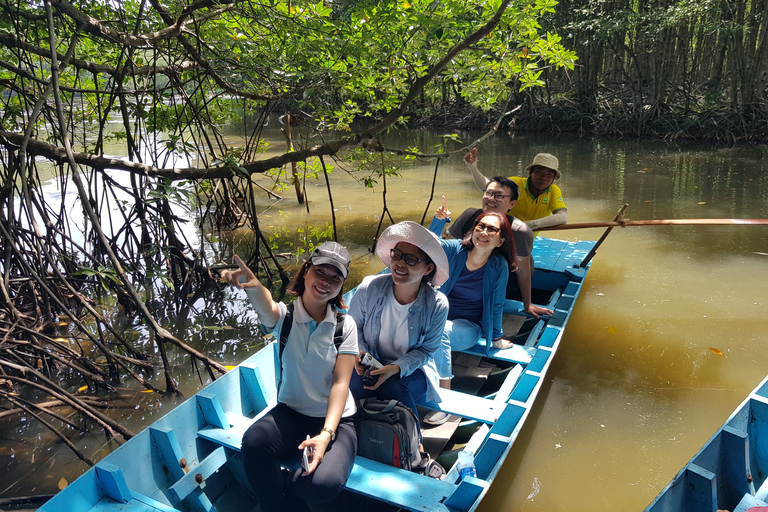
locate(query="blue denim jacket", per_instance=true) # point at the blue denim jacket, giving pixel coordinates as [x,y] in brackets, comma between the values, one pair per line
[494,281]
[426,321]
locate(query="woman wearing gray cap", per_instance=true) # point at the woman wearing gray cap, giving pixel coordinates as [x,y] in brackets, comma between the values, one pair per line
[314,408]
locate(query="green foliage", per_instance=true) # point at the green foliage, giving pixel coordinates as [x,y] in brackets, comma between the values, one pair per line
[101,274]
[372,165]
[300,240]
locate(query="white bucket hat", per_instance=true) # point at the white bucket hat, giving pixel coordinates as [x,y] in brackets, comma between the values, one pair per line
[546,160]
[414,234]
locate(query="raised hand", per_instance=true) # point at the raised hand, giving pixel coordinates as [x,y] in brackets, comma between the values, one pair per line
[471,157]
[443,212]
[243,277]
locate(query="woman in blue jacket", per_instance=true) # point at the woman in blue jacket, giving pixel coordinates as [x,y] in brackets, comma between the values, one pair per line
[485,255]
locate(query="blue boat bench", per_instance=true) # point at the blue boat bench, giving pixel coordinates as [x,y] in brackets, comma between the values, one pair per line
[500,423]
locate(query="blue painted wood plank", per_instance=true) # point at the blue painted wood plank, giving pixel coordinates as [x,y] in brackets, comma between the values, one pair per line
[112,479]
[525,386]
[256,387]
[231,438]
[489,456]
[509,419]
[399,487]
[170,450]
[154,504]
[212,410]
[516,354]
[197,475]
[467,493]
[467,406]
[108,505]
[702,492]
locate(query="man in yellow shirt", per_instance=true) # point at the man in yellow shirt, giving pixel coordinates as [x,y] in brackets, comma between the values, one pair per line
[541,202]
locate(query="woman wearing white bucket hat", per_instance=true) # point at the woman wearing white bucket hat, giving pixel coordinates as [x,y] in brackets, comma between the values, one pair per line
[541,202]
[400,316]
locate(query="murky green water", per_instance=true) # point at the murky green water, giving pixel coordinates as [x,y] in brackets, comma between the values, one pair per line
[635,389]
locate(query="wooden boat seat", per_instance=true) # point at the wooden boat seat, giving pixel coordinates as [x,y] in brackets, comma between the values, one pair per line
[370,478]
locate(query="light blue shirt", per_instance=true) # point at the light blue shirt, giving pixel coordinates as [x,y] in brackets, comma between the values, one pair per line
[426,321]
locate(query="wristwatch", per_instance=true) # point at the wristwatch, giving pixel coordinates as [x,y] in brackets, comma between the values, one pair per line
[331,432]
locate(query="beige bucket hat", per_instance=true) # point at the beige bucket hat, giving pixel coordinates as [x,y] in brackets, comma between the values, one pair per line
[545,160]
[421,237]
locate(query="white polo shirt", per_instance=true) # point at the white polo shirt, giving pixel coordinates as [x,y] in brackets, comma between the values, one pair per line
[309,358]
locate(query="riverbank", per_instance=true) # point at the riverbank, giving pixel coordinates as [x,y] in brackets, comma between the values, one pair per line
[612,118]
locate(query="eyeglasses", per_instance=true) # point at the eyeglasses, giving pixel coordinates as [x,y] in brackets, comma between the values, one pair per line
[498,196]
[491,230]
[409,259]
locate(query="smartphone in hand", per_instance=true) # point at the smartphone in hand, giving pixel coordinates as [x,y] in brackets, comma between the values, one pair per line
[306,456]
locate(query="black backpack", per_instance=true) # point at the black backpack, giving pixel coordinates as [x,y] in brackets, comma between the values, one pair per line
[388,432]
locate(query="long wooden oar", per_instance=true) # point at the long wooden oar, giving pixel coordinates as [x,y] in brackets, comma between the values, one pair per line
[661,222]
[591,253]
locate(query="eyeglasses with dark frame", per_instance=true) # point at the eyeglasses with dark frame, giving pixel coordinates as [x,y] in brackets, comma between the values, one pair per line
[491,230]
[410,259]
[498,196]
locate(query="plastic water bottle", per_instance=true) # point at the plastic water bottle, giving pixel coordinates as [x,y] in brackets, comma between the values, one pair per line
[466,463]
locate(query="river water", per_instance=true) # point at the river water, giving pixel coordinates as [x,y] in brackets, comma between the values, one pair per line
[668,337]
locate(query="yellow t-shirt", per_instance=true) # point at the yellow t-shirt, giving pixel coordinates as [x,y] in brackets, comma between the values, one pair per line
[529,207]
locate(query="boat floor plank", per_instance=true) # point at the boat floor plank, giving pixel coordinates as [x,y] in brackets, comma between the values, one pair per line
[470,373]
[511,325]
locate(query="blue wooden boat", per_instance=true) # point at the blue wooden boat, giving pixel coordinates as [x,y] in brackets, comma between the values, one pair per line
[190,460]
[730,472]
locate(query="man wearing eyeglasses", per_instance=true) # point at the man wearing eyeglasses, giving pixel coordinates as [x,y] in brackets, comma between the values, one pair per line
[499,196]
[541,201]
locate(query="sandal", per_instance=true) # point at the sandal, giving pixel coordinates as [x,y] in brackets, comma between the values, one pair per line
[429,467]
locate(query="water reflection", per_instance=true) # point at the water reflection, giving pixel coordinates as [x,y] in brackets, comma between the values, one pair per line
[635,389]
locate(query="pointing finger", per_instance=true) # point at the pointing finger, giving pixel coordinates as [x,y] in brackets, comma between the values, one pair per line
[241,264]
[445,206]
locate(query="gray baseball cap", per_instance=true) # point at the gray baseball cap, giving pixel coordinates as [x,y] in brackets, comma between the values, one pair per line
[332,253]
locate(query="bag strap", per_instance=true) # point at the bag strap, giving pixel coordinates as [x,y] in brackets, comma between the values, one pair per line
[390,406]
[285,330]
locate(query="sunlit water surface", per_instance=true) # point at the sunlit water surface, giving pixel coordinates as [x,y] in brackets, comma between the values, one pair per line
[668,337]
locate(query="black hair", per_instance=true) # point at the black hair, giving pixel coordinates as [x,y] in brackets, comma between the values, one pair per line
[514,190]
[297,287]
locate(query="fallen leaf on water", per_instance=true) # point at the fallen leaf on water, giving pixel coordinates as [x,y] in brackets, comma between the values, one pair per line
[713,349]
[63,483]
[82,388]
[702,202]
[227,327]
[611,330]
[147,391]
[230,367]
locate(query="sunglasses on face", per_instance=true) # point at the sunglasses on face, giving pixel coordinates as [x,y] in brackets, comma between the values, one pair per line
[409,259]
[491,230]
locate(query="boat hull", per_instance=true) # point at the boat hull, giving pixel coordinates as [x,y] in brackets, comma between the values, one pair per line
[730,472]
[190,459]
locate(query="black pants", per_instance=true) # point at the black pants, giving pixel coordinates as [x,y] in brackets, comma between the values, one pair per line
[274,440]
